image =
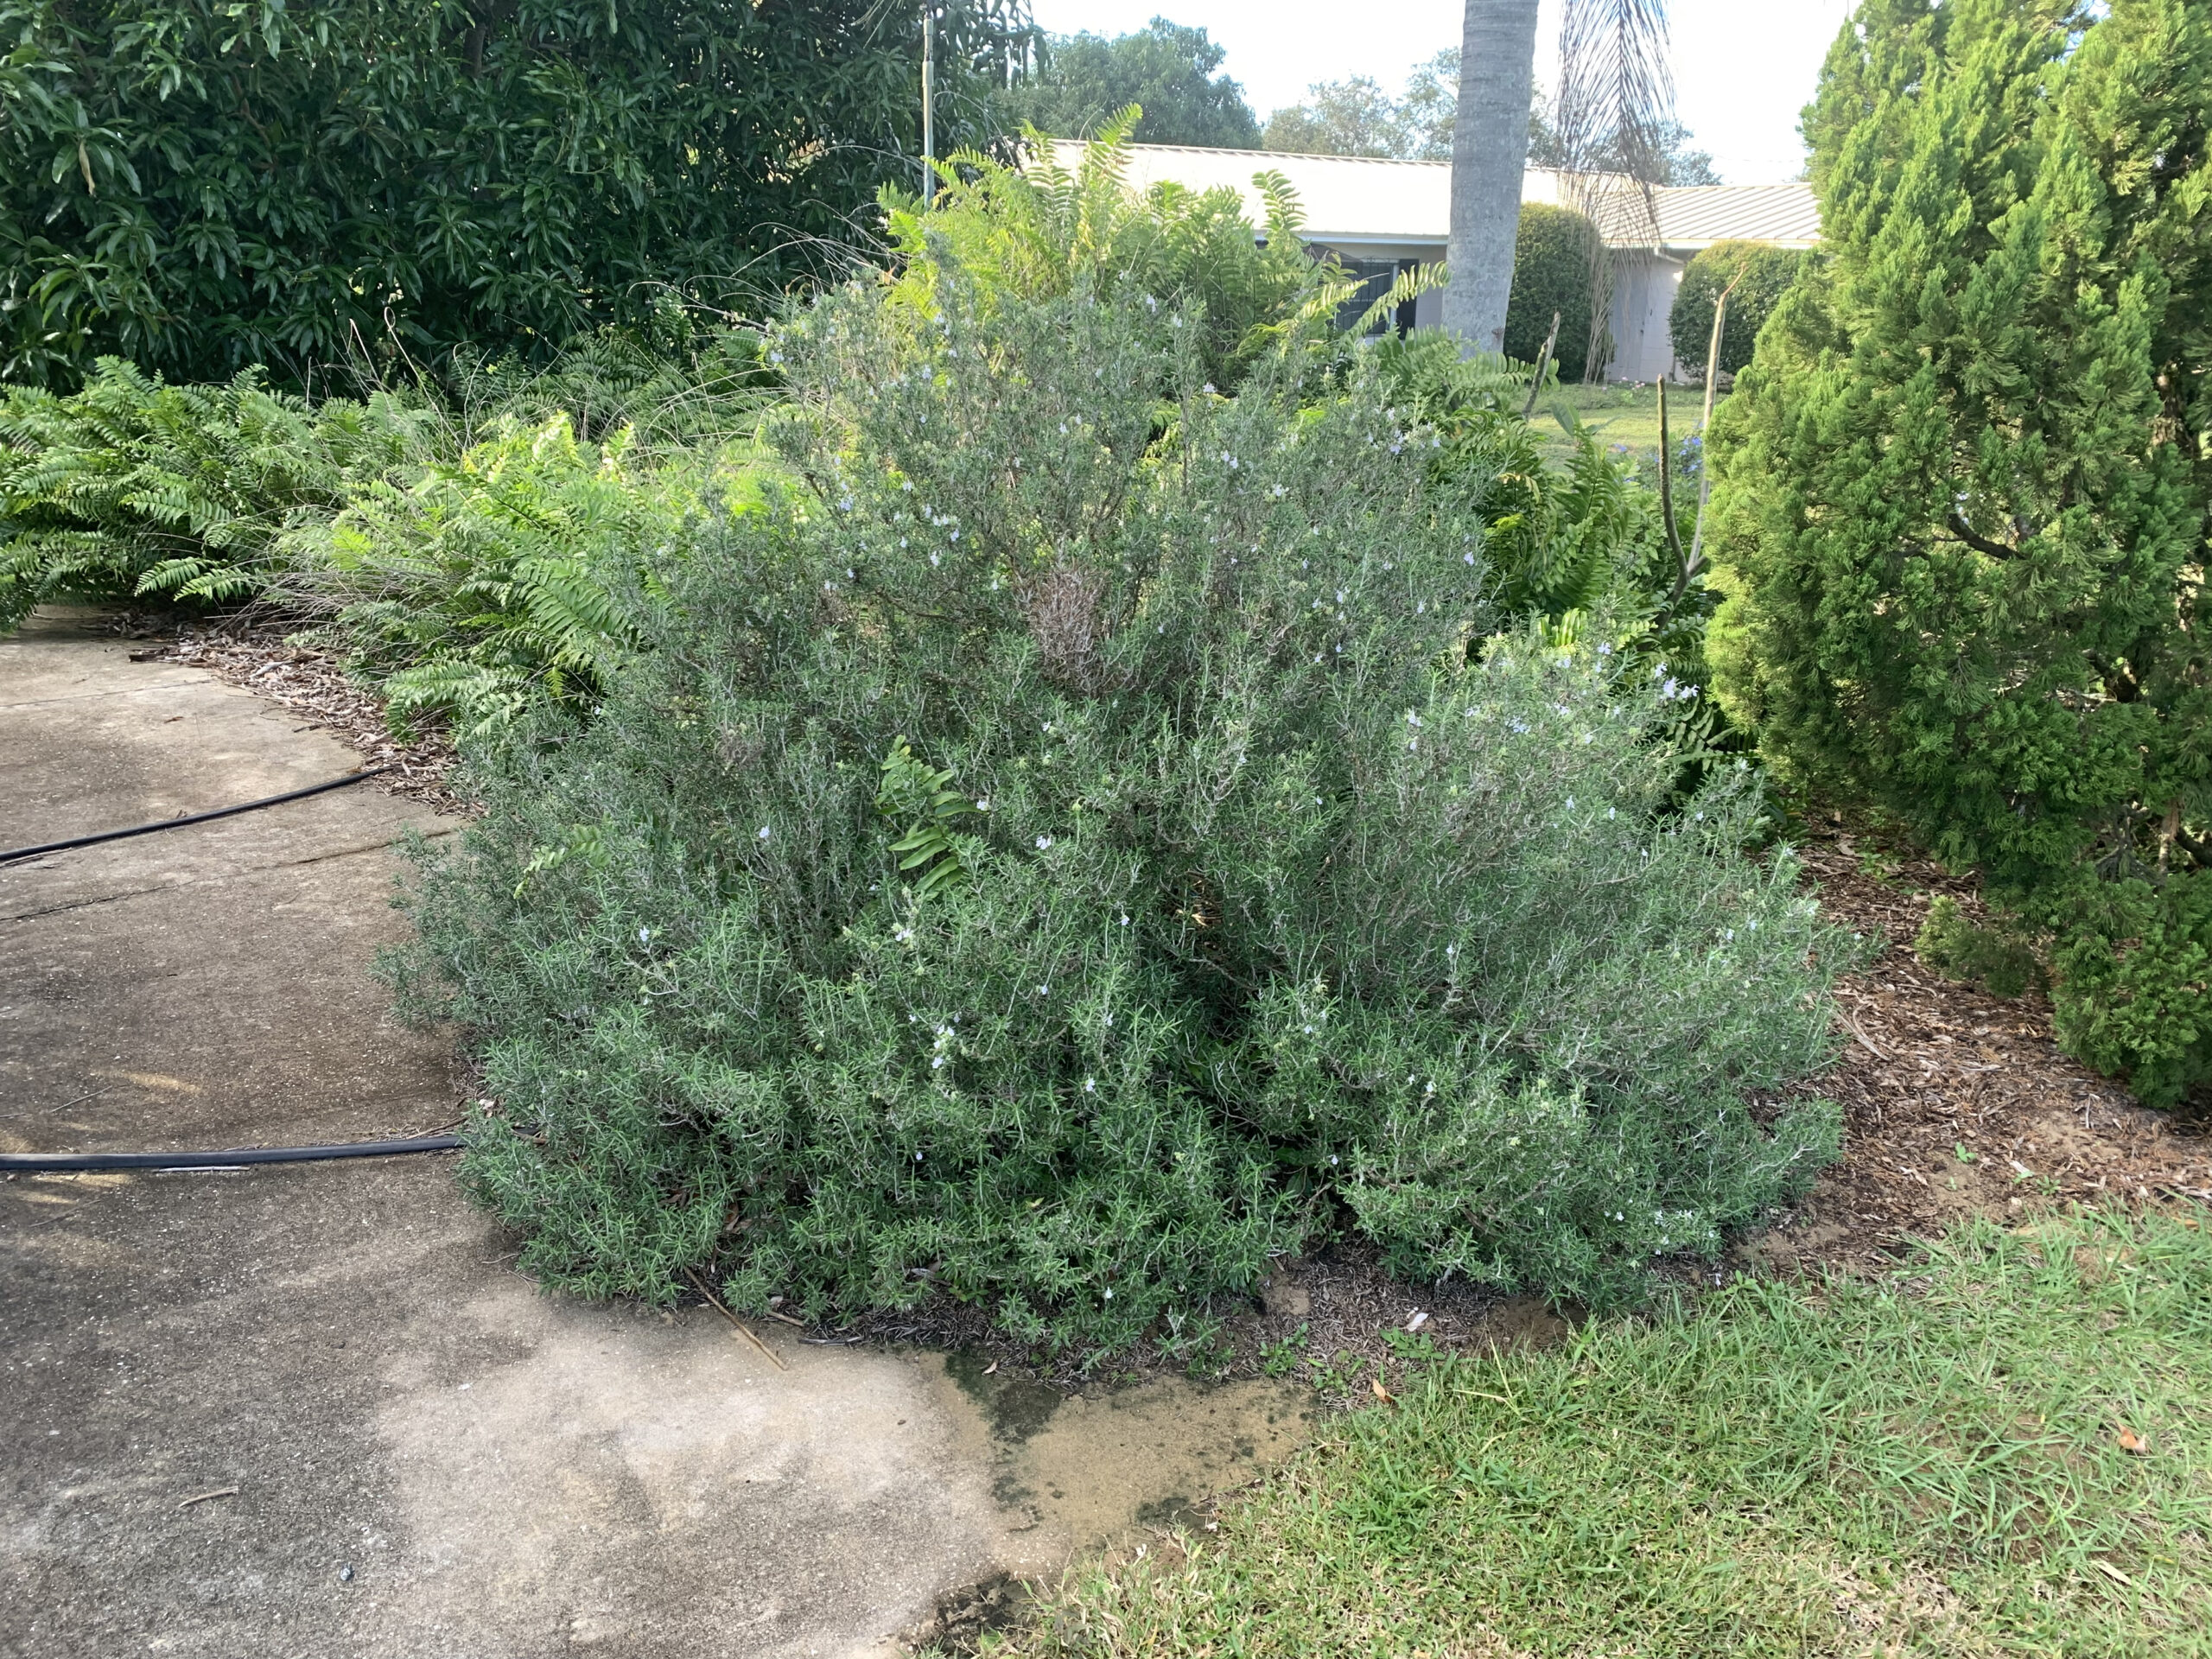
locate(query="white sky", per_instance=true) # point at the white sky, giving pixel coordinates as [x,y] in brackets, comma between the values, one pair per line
[1743,68]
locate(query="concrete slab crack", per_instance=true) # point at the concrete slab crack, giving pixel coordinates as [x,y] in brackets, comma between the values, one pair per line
[118,691]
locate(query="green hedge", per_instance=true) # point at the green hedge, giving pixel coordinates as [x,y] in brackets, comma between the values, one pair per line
[1552,261]
[200,187]
[1765,274]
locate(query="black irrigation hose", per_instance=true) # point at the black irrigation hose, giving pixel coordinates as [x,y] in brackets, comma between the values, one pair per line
[59,1162]
[54,1163]
[350,778]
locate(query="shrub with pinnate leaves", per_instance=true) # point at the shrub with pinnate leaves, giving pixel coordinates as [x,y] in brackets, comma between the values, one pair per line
[473,590]
[465,555]
[1963,491]
[1041,230]
[1084,842]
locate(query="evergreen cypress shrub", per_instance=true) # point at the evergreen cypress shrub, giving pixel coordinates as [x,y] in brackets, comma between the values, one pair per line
[1959,949]
[1761,275]
[1552,261]
[1085,843]
[1963,492]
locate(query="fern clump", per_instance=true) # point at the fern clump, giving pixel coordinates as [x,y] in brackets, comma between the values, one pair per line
[474,590]
[132,488]
[473,558]
[1083,837]
[1041,230]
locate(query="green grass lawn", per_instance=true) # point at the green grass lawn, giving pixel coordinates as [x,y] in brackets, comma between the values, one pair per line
[1626,414]
[1937,1463]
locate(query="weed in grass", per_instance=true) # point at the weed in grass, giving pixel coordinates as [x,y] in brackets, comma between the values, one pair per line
[1416,1347]
[1281,1358]
[1339,1374]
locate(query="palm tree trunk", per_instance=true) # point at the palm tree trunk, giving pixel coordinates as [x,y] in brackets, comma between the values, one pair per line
[1489,146]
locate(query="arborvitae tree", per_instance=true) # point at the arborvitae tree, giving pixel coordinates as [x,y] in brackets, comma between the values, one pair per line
[1961,501]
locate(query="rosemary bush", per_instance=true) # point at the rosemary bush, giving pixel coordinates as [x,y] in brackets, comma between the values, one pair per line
[1083,838]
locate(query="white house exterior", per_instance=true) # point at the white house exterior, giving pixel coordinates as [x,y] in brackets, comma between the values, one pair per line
[1379,216]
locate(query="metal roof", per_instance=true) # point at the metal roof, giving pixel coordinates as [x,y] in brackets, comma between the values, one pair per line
[1355,199]
[1697,215]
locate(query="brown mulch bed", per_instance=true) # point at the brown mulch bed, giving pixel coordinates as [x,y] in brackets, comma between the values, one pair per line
[1330,1320]
[1955,1101]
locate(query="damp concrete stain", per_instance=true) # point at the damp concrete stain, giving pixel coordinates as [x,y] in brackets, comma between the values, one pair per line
[1016,1407]
[1073,1472]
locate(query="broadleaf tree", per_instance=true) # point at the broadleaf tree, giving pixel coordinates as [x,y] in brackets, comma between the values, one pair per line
[1358,118]
[1169,71]
[200,186]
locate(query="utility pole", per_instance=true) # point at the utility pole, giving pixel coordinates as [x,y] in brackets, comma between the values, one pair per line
[929,103]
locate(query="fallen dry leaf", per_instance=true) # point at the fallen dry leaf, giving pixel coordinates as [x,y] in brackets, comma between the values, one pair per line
[1383,1394]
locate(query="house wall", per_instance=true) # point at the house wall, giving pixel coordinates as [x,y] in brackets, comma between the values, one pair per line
[1644,299]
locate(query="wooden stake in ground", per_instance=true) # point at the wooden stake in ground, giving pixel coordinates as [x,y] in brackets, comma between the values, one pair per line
[1704,456]
[1543,362]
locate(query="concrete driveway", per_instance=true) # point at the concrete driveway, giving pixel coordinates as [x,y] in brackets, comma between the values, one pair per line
[314,1410]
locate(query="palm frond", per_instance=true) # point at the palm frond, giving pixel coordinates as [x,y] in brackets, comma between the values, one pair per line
[1615,88]
[1616,102]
